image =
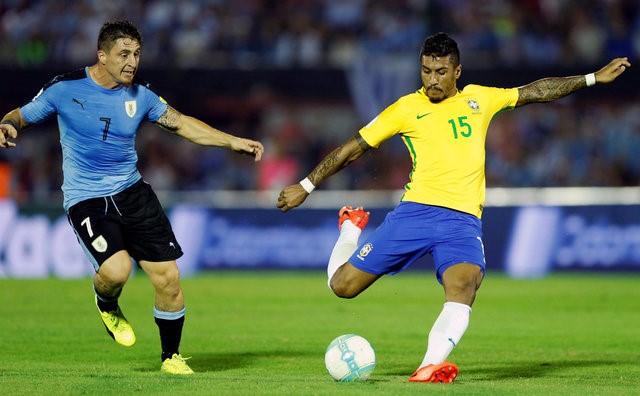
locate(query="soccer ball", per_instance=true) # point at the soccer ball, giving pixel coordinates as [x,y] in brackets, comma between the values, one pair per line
[349,358]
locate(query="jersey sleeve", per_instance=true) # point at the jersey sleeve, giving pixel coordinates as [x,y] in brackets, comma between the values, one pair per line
[502,99]
[156,104]
[384,126]
[41,107]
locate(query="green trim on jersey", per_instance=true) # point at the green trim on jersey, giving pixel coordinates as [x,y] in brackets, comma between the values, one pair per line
[448,138]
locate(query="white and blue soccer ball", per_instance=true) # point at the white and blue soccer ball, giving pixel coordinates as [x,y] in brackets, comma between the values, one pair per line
[349,358]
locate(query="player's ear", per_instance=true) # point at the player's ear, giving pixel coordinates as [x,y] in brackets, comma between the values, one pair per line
[102,57]
[458,71]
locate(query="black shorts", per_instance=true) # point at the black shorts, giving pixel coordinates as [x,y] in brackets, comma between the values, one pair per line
[132,220]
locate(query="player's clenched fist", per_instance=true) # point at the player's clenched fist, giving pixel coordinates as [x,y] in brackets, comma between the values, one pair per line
[7,132]
[291,197]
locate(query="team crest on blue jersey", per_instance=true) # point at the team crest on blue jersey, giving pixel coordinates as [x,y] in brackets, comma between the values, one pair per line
[100,244]
[473,104]
[366,249]
[131,106]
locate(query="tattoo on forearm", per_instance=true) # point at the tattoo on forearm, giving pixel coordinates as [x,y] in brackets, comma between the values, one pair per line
[548,89]
[339,159]
[327,167]
[170,119]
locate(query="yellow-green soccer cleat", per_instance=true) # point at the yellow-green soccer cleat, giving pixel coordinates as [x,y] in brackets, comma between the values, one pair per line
[176,365]
[117,326]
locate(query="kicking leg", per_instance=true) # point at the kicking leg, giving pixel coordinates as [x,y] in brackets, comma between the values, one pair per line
[344,279]
[349,281]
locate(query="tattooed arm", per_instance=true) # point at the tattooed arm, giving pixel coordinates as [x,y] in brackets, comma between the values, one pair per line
[552,88]
[201,133]
[338,159]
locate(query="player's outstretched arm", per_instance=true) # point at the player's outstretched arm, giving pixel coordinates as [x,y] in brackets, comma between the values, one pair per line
[11,124]
[552,88]
[201,133]
[338,159]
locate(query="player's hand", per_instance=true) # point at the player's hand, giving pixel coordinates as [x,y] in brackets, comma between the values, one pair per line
[611,71]
[291,197]
[7,132]
[249,147]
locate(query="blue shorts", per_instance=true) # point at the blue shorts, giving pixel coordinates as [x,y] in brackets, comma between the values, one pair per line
[412,230]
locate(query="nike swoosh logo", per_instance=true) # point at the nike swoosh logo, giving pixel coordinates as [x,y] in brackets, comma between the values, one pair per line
[422,115]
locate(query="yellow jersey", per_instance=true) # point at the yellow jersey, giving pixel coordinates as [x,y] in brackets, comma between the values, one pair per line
[446,141]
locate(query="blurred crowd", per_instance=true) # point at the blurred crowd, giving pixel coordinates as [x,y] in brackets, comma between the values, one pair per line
[320,33]
[579,141]
[213,33]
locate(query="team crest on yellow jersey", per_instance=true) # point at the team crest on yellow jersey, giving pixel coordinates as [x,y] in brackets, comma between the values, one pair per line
[473,104]
[131,106]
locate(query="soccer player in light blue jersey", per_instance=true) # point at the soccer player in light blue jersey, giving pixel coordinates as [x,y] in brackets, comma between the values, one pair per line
[114,213]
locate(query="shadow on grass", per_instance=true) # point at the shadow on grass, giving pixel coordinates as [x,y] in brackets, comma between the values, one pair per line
[212,362]
[534,369]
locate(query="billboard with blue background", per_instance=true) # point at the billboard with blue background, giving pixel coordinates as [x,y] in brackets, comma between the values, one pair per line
[522,241]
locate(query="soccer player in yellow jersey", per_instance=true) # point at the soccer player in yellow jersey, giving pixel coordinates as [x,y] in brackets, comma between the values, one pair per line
[444,129]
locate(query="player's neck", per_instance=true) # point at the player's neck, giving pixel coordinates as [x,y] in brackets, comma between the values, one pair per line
[100,76]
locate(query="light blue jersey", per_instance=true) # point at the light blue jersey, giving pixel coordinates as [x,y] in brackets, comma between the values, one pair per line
[98,129]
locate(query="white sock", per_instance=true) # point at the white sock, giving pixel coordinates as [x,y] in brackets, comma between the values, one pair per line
[346,244]
[446,332]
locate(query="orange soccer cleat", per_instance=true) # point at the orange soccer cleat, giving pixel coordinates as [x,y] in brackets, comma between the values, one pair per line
[358,216]
[444,372]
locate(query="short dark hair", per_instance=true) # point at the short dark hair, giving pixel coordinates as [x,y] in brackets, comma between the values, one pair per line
[114,30]
[440,44]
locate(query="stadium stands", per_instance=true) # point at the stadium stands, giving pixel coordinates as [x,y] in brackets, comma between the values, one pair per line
[292,73]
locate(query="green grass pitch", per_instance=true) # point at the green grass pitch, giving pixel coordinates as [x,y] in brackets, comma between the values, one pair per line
[254,333]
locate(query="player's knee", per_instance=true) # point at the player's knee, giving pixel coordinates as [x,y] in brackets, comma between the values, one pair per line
[115,271]
[463,277]
[348,281]
[461,283]
[167,282]
[111,280]
[342,289]
[169,279]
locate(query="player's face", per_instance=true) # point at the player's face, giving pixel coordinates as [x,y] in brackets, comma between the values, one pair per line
[439,76]
[122,60]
